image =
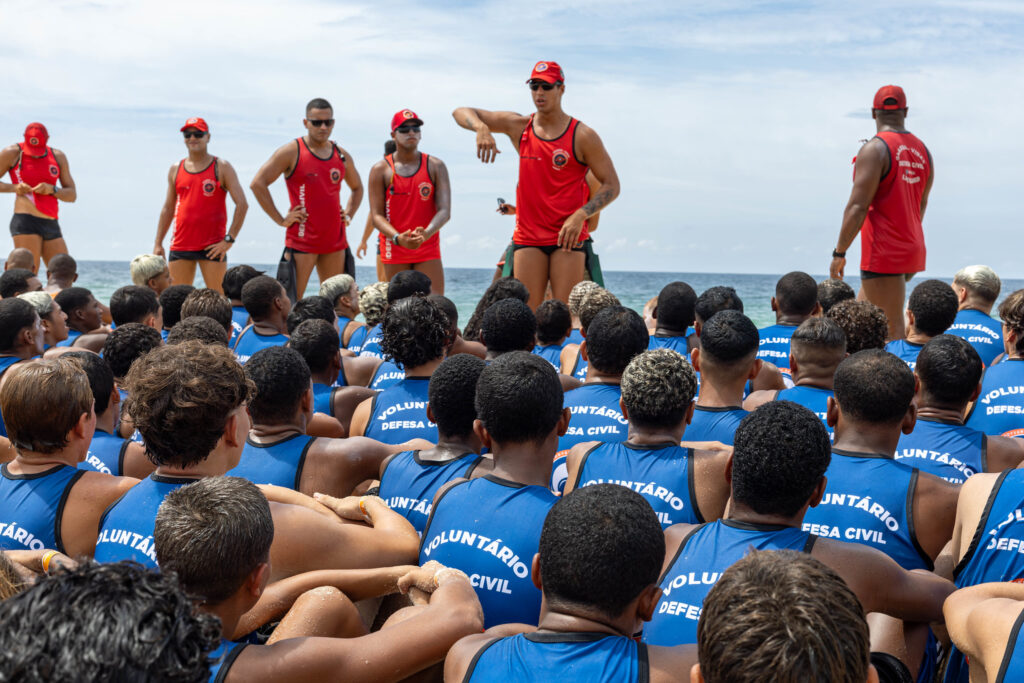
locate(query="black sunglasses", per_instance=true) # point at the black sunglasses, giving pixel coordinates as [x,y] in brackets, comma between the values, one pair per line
[194,134]
[544,85]
[321,122]
[408,129]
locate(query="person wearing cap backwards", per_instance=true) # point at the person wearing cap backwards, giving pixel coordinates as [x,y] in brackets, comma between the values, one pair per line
[892,176]
[35,171]
[552,205]
[410,199]
[196,190]
[313,167]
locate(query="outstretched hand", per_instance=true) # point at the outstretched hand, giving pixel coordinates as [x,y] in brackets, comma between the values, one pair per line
[837,267]
[486,147]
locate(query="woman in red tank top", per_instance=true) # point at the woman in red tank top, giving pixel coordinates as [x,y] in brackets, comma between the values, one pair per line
[35,171]
[410,200]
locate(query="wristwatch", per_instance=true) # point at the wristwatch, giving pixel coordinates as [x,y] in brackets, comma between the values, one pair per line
[394,239]
[229,239]
[838,254]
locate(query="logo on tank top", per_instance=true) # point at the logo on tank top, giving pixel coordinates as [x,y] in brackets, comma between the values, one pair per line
[425,190]
[559,158]
[54,171]
[208,187]
[335,175]
[910,168]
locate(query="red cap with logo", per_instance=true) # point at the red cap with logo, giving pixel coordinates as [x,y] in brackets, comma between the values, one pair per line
[548,72]
[890,92]
[197,123]
[403,117]
[35,138]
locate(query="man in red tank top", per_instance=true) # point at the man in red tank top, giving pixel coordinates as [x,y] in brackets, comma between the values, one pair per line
[35,171]
[410,199]
[552,205]
[892,178]
[313,167]
[196,190]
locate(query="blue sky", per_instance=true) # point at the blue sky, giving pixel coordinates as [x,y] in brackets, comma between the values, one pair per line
[731,124]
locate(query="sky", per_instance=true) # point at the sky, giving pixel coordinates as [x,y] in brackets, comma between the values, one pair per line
[731,124]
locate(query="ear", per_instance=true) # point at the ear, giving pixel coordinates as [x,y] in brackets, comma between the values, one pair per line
[976,393]
[832,412]
[755,369]
[654,312]
[961,293]
[257,580]
[535,572]
[563,422]
[910,419]
[430,414]
[793,365]
[695,359]
[696,677]
[583,351]
[648,602]
[115,397]
[689,412]
[306,403]
[482,434]
[336,362]
[910,318]
[82,428]
[622,408]
[816,312]
[728,471]
[150,321]
[230,431]
[775,305]
[819,491]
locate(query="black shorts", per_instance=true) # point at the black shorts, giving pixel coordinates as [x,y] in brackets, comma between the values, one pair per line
[548,249]
[27,224]
[350,260]
[871,275]
[200,255]
[890,669]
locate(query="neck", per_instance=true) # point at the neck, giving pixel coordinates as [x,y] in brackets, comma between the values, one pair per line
[936,411]
[890,125]
[326,377]
[553,117]
[275,324]
[744,513]
[916,337]
[345,312]
[313,144]
[105,422]
[265,432]
[55,283]
[814,376]
[664,331]
[31,461]
[565,622]
[595,376]
[866,438]
[407,156]
[975,305]
[716,393]
[228,615]
[23,352]
[789,318]
[525,463]
[644,436]
[450,447]
[195,155]
[237,303]
[425,370]
[218,462]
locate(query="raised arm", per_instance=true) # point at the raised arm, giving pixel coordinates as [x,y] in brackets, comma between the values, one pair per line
[867,172]
[163,224]
[484,123]
[280,163]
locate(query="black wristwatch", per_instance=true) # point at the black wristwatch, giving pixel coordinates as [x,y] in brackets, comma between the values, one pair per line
[838,254]
[229,239]
[394,239]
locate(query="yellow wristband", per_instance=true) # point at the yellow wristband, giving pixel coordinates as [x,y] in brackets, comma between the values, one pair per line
[46,561]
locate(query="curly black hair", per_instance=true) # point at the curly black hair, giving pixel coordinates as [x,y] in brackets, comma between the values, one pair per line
[133,304]
[198,328]
[127,343]
[949,369]
[281,377]
[864,324]
[502,288]
[508,325]
[415,332]
[313,307]
[615,336]
[452,394]
[519,398]
[874,386]
[172,299]
[317,341]
[715,299]
[934,305]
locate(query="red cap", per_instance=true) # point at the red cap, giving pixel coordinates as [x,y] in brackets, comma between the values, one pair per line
[197,123]
[886,92]
[35,138]
[403,117]
[549,72]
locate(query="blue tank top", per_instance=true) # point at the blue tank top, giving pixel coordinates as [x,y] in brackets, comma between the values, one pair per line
[5,364]
[596,415]
[946,449]
[490,529]
[32,505]
[906,351]
[708,551]
[999,409]
[386,375]
[223,658]
[575,337]
[355,342]
[126,528]
[106,454]
[551,353]
[323,399]
[556,655]
[371,344]
[579,369]
[868,500]
[661,473]
[239,319]
[980,331]
[279,463]
[815,399]
[399,413]
[250,341]
[408,484]
[678,344]
[774,347]
[70,341]
[714,424]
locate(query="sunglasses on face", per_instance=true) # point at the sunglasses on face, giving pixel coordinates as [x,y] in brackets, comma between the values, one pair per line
[408,129]
[543,85]
[321,122]
[194,134]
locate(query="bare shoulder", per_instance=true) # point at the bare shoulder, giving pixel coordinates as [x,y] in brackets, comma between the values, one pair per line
[462,653]
[59,155]
[100,486]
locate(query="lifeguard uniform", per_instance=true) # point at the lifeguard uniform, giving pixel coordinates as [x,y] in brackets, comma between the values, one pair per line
[279,463]
[815,399]
[773,346]
[250,341]
[33,168]
[999,410]
[200,214]
[946,449]
[315,184]
[981,331]
[714,424]
[399,413]
[31,507]
[596,415]
[905,350]
[550,656]
[408,484]
[106,454]
[410,204]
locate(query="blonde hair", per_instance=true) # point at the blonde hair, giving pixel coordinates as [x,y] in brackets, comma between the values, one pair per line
[145,267]
[373,299]
[333,288]
[578,293]
[980,281]
[41,301]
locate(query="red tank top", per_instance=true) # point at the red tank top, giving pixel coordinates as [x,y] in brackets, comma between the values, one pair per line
[892,240]
[200,215]
[410,204]
[551,186]
[34,170]
[315,183]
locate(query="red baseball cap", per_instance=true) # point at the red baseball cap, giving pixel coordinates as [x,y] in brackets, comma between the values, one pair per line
[36,137]
[887,92]
[403,117]
[549,72]
[197,123]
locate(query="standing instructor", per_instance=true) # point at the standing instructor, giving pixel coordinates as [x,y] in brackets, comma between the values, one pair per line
[552,205]
[313,167]
[892,177]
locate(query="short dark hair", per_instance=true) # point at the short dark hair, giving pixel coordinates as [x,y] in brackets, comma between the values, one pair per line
[783,612]
[519,398]
[198,328]
[172,299]
[949,369]
[213,534]
[796,293]
[281,377]
[934,305]
[180,398]
[447,307]
[675,307]
[414,332]
[14,282]
[313,307]
[657,388]
[318,103]
[508,325]
[42,402]
[600,547]
[129,623]
[101,377]
[1012,313]
[818,341]
[864,324]
[15,315]
[235,278]
[317,341]
[258,295]
[133,304]
[209,303]
[615,336]
[554,322]
[407,283]
[717,299]
[832,291]
[729,337]
[62,266]
[452,394]
[127,343]
[502,288]
[780,453]
[874,386]
[73,298]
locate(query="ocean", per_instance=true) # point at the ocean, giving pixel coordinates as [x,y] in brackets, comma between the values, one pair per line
[464,286]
